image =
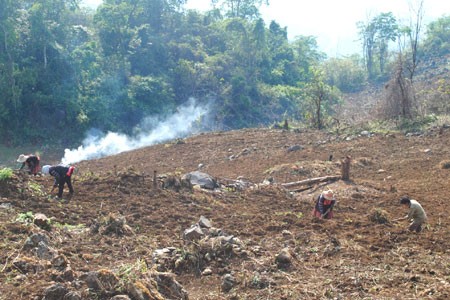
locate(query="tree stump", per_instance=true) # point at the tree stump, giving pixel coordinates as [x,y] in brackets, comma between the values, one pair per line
[155,180]
[345,171]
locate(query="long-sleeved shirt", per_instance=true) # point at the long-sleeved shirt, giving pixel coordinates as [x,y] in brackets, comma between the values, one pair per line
[59,172]
[32,161]
[323,204]
[416,212]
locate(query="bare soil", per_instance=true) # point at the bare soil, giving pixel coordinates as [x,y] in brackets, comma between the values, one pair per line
[359,254]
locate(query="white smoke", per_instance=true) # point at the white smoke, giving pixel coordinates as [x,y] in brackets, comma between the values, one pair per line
[150,132]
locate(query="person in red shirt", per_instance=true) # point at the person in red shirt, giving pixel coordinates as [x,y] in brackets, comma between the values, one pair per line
[324,205]
[31,161]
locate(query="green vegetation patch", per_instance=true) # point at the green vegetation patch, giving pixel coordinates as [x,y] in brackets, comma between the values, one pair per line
[6,174]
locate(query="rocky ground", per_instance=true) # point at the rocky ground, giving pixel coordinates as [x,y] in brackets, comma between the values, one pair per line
[252,237]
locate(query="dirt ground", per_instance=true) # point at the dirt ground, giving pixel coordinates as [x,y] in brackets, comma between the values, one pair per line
[360,254]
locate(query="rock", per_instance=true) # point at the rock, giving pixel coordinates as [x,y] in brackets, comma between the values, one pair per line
[244,151]
[68,274]
[6,205]
[41,221]
[193,233]
[101,281]
[120,297]
[28,265]
[55,292]
[286,233]
[139,291]
[43,251]
[294,148]
[169,287]
[60,262]
[72,296]
[201,179]
[20,278]
[117,224]
[284,258]
[204,222]
[207,272]
[34,239]
[228,282]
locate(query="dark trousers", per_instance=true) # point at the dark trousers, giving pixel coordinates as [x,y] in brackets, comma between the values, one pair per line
[64,180]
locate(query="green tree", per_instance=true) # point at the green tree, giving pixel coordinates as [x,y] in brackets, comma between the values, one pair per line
[375,36]
[346,73]
[246,9]
[387,31]
[307,54]
[9,51]
[437,41]
[320,98]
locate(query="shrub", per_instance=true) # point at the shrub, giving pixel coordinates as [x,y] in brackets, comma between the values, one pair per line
[27,217]
[5,174]
[379,216]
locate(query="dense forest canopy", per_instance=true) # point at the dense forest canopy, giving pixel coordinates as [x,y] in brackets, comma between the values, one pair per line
[66,69]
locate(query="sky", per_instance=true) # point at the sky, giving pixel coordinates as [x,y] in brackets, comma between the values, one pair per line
[332,22]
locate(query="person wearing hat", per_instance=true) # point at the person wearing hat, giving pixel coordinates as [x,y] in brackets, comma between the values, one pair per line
[31,161]
[416,214]
[62,175]
[324,205]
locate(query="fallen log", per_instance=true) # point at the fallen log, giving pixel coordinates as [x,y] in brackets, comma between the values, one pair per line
[311,181]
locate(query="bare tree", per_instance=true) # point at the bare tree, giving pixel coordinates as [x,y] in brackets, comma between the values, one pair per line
[400,95]
[416,22]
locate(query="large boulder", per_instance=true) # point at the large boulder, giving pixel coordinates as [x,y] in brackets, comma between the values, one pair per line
[201,179]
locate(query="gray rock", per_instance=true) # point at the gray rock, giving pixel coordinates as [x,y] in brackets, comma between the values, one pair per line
[193,233]
[294,148]
[201,179]
[204,222]
[55,292]
[228,282]
[6,205]
[34,239]
[43,251]
[72,296]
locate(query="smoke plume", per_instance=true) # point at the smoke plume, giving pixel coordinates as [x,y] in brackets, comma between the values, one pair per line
[151,131]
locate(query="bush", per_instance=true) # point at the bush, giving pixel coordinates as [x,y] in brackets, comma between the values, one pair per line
[379,216]
[5,174]
[416,124]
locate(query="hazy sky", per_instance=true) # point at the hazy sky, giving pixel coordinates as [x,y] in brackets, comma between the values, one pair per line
[333,22]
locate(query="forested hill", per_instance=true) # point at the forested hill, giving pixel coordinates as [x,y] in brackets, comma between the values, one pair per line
[65,69]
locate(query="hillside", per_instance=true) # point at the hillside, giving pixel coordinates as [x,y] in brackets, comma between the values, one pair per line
[119,237]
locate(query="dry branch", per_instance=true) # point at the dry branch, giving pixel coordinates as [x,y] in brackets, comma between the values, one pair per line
[311,181]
